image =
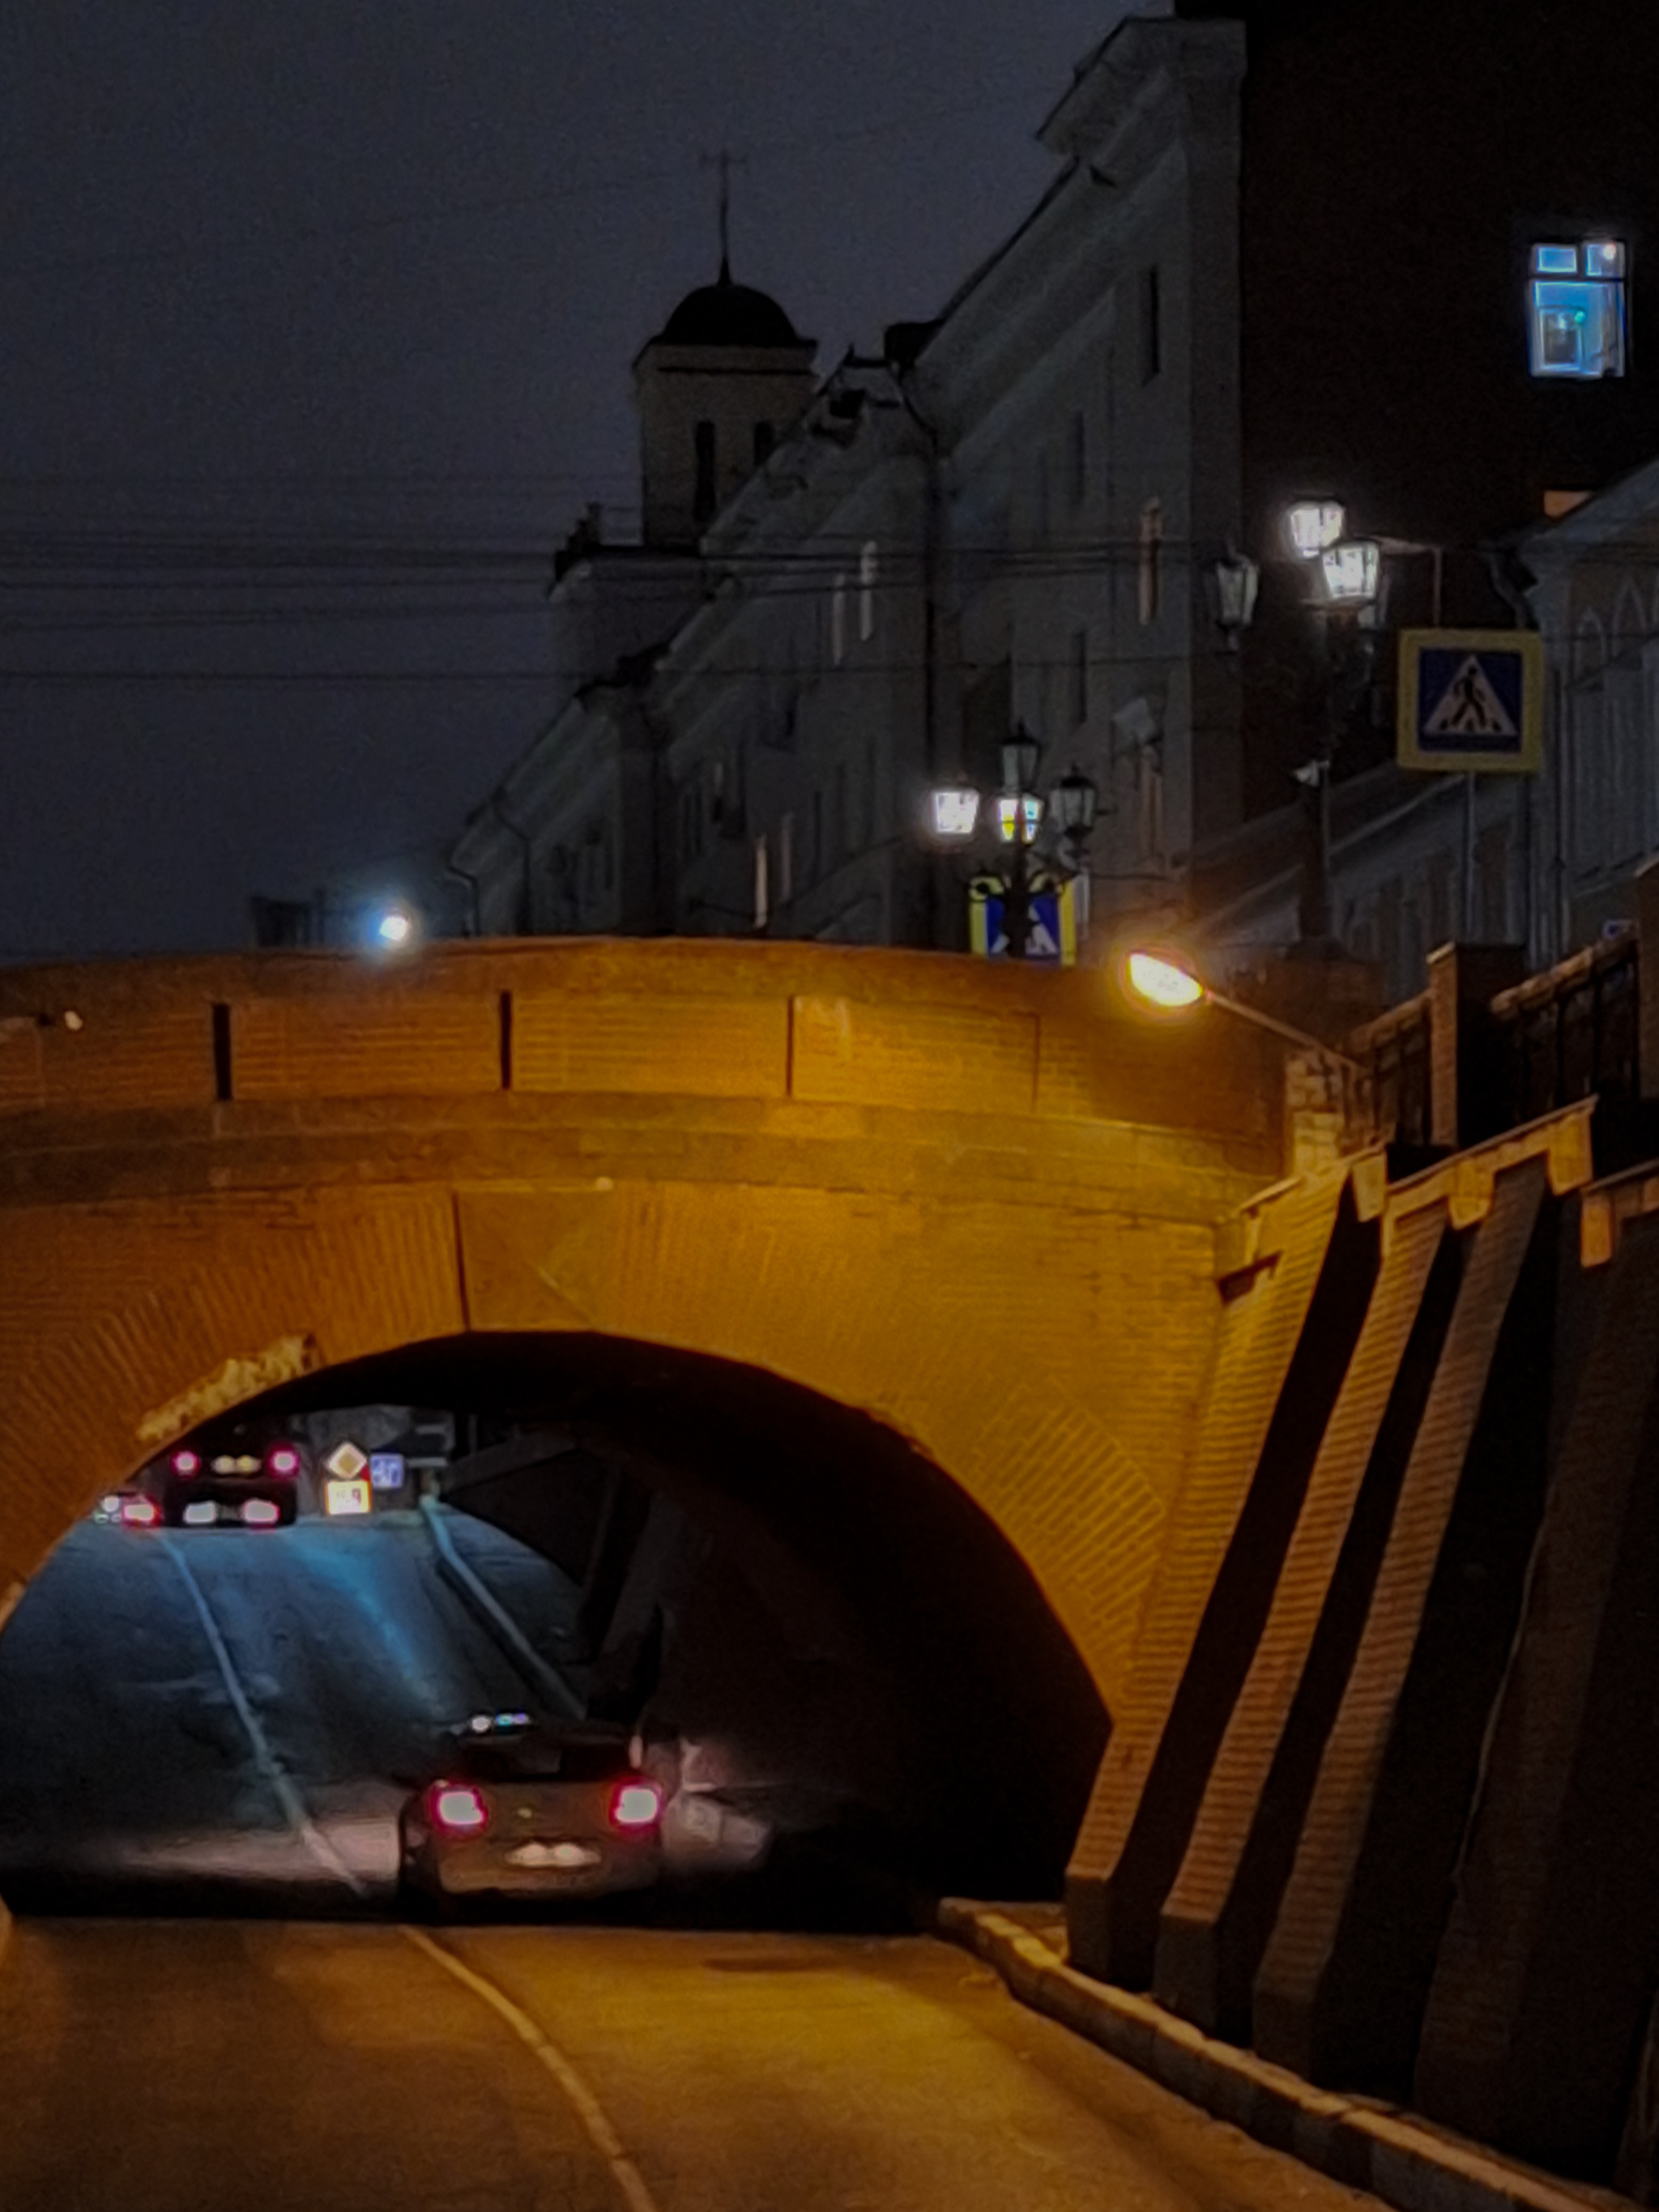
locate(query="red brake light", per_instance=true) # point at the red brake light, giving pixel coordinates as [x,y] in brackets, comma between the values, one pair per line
[283,1459]
[186,1462]
[635,1805]
[457,1807]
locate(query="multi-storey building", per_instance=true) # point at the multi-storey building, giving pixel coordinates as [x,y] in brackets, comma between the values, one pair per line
[1258,273]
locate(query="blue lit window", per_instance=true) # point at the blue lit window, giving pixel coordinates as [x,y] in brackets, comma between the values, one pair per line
[1576,309]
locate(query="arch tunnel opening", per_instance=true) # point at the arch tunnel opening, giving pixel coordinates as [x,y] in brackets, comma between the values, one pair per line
[802,1621]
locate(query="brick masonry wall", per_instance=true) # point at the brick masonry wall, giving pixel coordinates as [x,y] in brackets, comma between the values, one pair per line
[1221,1909]
[981,1205]
[1288,1329]
[1342,1986]
[1555,1898]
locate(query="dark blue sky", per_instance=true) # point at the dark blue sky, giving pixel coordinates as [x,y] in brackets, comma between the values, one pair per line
[316,323]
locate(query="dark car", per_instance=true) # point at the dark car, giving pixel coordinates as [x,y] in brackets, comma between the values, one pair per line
[526,1809]
[254,1486]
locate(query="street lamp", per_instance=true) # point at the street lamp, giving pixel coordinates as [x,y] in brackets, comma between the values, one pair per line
[1166,984]
[1314,524]
[1235,581]
[1353,569]
[1021,817]
[394,927]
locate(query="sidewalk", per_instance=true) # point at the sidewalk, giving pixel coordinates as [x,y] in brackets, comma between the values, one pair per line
[1368,2144]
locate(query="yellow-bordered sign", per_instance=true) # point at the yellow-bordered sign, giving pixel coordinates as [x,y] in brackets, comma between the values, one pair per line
[1471,701]
[1054,921]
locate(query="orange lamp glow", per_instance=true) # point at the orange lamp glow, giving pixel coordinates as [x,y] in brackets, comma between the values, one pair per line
[1162,982]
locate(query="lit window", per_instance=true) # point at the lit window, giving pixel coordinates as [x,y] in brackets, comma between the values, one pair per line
[1576,309]
[867,572]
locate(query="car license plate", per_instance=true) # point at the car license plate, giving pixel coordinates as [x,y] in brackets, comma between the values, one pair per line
[567,1856]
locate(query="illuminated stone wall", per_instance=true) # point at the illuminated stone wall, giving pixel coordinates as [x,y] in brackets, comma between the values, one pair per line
[979,1203]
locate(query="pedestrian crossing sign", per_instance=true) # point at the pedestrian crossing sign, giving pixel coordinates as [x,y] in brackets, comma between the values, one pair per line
[1471,699]
[1053,923]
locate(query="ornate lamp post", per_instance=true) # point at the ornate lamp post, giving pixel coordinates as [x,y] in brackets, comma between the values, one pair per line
[1022,817]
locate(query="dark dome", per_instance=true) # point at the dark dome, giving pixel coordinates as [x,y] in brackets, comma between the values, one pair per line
[729,314]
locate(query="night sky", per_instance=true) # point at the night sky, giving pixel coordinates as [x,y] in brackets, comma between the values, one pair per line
[316,322]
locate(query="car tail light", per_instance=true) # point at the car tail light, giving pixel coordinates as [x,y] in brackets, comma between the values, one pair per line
[457,1808]
[186,1463]
[140,1512]
[260,1513]
[635,1805]
[283,1459]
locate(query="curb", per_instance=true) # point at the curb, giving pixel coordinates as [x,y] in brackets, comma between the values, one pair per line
[492,1616]
[1358,2141]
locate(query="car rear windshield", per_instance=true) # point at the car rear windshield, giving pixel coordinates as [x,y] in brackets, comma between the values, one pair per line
[526,1758]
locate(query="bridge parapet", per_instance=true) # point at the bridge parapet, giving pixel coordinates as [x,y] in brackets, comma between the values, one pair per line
[814,1025]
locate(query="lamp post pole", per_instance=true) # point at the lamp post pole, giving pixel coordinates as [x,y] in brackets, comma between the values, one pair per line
[1021,816]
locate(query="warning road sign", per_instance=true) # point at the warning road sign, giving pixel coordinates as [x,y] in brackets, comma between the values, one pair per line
[1471,699]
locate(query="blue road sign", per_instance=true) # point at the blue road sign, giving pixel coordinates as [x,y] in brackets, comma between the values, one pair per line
[1054,924]
[1471,699]
[386,1470]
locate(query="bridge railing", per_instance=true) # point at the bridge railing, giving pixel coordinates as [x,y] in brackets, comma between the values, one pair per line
[1395,1055]
[1487,1049]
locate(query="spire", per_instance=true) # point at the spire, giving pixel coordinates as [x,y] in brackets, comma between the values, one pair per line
[724,161]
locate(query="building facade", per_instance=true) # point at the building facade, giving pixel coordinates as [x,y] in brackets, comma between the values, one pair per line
[1245,284]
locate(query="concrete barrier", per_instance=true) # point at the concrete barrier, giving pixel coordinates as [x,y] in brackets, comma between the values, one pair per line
[1358,2141]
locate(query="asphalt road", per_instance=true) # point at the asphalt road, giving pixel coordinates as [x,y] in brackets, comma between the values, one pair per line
[224,2066]
[224,1708]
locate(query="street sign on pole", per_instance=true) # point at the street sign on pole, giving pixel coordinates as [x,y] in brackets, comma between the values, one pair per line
[1053,923]
[1471,701]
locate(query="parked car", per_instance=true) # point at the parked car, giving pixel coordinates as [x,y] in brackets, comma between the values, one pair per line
[531,1809]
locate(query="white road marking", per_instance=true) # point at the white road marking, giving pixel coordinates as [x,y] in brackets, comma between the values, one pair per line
[293,1806]
[629,2182]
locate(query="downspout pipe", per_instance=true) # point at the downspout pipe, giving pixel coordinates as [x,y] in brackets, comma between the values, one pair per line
[903,371]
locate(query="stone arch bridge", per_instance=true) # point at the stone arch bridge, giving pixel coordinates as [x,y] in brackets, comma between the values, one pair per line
[986,1208]
[1278,1441]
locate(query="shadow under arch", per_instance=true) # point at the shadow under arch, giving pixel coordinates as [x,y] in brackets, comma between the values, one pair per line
[868,1561]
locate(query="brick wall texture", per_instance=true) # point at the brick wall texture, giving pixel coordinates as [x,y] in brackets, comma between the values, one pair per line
[1285,1334]
[981,1205]
[1381,1789]
[1554,1897]
[1342,1985]
[1221,1909]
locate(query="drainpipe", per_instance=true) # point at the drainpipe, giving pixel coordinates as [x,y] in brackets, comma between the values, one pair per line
[932,615]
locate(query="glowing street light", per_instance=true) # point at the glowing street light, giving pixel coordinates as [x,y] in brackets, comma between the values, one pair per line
[1351,571]
[1020,817]
[956,812]
[1162,983]
[1167,984]
[394,929]
[1315,524]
